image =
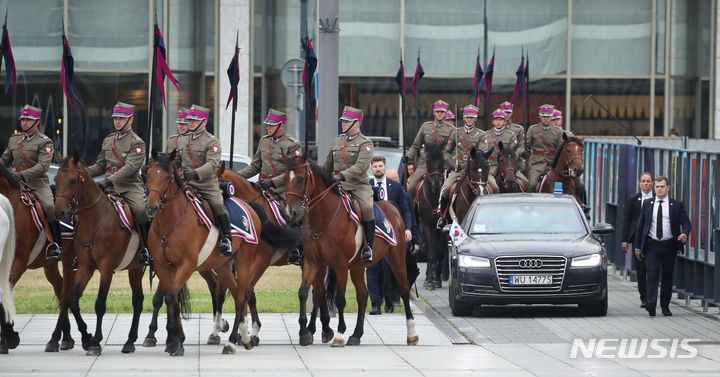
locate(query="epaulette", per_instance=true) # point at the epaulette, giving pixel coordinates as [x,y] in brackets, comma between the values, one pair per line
[44,136]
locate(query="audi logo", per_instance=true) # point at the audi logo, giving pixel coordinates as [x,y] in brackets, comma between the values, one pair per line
[530,263]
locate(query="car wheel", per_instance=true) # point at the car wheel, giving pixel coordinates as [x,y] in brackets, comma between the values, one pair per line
[598,308]
[458,309]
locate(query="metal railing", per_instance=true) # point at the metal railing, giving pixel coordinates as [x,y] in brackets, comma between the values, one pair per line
[612,170]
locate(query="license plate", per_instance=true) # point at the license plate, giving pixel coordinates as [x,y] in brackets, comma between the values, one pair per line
[530,279]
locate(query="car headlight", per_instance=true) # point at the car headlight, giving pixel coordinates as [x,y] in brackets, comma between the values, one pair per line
[591,260]
[472,261]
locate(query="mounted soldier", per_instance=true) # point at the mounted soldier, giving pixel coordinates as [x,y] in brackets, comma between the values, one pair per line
[450,118]
[199,158]
[437,131]
[541,142]
[349,159]
[120,159]
[457,153]
[557,121]
[182,126]
[268,161]
[502,133]
[519,130]
[29,154]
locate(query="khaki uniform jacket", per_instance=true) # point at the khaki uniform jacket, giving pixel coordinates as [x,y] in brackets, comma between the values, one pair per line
[461,142]
[201,151]
[268,160]
[172,144]
[31,157]
[430,132]
[350,156]
[508,138]
[520,133]
[541,143]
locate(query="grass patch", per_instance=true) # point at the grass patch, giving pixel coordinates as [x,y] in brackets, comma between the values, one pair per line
[276,292]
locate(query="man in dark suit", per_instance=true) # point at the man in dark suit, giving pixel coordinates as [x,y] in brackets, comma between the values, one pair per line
[633,208]
[379,277]
[661,231]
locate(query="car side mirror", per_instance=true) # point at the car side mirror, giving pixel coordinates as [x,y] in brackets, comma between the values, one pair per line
[446,229]
[603,228]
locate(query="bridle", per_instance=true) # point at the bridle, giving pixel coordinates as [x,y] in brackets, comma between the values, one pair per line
[307,202]
[505,171]
[567,171]
[478,187]
[79,191]
[425,177]
[166,192]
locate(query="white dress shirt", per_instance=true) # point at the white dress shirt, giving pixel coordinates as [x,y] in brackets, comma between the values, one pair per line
[644,197]
[667,233]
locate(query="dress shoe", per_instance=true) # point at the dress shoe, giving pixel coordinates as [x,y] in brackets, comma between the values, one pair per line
[666,312]
[651,310]
[375,310]
[643,304]
[389,308]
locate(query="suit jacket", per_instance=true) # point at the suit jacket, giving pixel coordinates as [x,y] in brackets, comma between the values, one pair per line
[632,214]
[395,194]
[679,222]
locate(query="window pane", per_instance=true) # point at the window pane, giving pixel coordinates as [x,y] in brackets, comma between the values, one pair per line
[370,37]
[611,37]
[690,47]
[34,27]
[627,100]
[108,34]
[660,37]
[191,29]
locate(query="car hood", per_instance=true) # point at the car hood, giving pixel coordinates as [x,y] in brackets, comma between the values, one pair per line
[550,244]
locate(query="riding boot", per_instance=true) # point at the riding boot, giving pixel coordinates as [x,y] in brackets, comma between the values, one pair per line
[296,255]
[441,221]
[225,247]
[54,250]
[369,227]
[144,258]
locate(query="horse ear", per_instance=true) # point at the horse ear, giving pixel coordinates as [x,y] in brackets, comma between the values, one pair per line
[59,158]
[565,137]
[76,156]
[303,158]
[221,169]
[489,152]
[154,153]
[173,154]
[473,151]
[500,145]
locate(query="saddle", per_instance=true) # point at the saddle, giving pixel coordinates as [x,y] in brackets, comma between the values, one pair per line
[241,223]
[122,208]
[383,227]
[38,215]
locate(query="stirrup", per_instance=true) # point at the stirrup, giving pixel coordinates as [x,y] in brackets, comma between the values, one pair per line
[441,223]
[144,257]
[75,264]
[367,256]
[295,257]
[53,252]
[225,247]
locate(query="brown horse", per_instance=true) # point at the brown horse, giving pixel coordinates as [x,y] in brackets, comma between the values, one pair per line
[101,244]
[176,252]
[246,191]
[505,175]
[473,183]
[30,244]
[335,241]
[566,167]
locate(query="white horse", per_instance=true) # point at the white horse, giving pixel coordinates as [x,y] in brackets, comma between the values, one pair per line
[8,337]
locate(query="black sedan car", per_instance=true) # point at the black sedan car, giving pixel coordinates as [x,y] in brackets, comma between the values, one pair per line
[528,249]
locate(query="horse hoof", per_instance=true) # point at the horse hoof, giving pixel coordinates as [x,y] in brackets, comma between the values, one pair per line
[338,342]
[229,349]
[413,341]
[353,341]
[180,351]
[248,346]
[12,341]
[3,349]
[67,344]
[128,348]
[306,340]
[52,347]
[172,348]
[150,342]
[94,351]
[86,341]
[255,340]
[328,336]
[225,326]
[213,339]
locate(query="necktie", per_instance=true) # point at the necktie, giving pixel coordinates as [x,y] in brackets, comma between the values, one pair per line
[379,184]
[658,221]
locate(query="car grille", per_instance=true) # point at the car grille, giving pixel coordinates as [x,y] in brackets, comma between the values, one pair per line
[511,265]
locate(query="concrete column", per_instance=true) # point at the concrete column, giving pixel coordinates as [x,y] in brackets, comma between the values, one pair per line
[327,51]
[234,15]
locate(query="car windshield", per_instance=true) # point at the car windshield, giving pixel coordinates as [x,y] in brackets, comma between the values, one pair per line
[527,217]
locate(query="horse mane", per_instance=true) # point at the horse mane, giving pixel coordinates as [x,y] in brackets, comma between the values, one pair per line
[317,170]
[5,172]
[166,165]
[434,152]
[506,151]
[570,139]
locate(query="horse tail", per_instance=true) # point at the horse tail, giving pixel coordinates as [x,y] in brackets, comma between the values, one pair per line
[330,288]
[272,233]
[184,302]
[6,260]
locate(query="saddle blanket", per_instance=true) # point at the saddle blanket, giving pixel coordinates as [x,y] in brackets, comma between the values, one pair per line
[383,227]
[240,220]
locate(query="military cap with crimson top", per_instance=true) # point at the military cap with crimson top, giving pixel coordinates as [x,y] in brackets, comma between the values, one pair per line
[351,113]
[546,110]
[470,111]
[557,114]
[198,112]
[506,107]
[498,114]
[440,105]
[123,110]
[182,115]
[449,115]
[30,112]
[275,117]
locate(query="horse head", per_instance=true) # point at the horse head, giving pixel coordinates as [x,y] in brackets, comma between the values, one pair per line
[569,158]
[477,169]
[304,181]
[162,179]
[8,182]
[507,163]
[73,186]
[434,164]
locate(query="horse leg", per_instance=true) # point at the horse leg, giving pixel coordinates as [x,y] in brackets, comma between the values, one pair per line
[172,301]
[82,277]
[396,260]
[135,279]
[310,269]
[52,274]
[340,302]
[358,278]
[9,338]
[217,293]
[244,289]
[67,342]
[150,340]
[100,306]
[321,303]
[256,325]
